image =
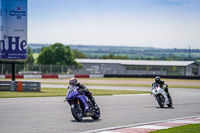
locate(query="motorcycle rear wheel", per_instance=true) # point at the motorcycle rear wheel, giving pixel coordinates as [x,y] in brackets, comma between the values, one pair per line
[170,103]
[160,101]
[76,114]
[96,115]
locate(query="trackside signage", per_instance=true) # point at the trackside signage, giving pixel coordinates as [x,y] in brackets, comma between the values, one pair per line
[13,28]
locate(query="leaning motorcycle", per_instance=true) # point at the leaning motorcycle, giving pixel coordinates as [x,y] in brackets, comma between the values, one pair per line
[81,106]
[160,95]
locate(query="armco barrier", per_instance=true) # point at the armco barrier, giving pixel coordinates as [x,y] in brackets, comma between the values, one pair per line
[96,76]
[2,76]
[65,76]
[5,85]
[16,76]
[25,86]
[31,86]
[49,76]
[82,76]
[32,76]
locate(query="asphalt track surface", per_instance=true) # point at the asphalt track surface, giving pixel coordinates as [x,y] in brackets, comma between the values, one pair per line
[51,114]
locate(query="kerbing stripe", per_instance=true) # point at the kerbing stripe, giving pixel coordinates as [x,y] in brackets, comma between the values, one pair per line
[108,132]
[150,126]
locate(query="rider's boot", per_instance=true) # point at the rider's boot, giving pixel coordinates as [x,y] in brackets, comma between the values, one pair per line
[92,100]
[94,103]
[170,99]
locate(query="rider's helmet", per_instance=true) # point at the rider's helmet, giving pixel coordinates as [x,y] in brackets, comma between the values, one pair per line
[157,79]
[73,81]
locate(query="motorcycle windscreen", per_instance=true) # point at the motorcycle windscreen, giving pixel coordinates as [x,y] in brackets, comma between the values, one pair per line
[155,85]
[71,88]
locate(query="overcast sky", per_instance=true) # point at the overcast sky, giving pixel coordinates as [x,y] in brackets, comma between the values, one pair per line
[149,23]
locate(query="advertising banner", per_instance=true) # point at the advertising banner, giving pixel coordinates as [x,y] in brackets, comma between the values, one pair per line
[13,42]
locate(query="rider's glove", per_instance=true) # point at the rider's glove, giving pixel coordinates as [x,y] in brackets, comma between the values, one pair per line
[80,85]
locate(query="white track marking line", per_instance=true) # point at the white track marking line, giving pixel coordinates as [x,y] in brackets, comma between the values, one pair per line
[131,95]
[108,132]
[185,121]
[151,127]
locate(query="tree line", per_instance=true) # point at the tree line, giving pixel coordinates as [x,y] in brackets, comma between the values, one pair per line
[59,54]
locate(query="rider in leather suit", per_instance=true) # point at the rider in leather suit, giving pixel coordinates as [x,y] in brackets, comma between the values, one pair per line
[163,85]
[74,81]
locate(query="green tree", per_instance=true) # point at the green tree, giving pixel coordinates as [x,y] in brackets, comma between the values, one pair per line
[30,59]
[56,54]
[78,54]
[111,56]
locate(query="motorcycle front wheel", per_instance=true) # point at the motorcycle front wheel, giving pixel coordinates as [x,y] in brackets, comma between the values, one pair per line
[160,101]
[76,113]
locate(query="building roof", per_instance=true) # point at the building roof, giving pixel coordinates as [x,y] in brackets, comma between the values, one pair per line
[136,62]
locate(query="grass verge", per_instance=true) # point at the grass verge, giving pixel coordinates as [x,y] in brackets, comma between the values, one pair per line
[54,92]
[193,128]
[145,85]
[134,85]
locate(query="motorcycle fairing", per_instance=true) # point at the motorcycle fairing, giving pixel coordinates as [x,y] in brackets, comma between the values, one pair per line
[83,100]
[157,91]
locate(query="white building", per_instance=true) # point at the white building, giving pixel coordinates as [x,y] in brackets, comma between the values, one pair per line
[138,67]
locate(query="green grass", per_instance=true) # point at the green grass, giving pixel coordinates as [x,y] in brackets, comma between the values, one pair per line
[145,85]
[116,92]
[131,85]
[193,128]
[54,92]
[134,85]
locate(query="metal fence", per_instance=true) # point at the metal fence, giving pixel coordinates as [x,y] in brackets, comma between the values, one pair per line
[98,69]
[6,69]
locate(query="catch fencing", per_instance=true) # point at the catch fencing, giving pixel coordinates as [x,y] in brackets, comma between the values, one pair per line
[21,69]
[98,69]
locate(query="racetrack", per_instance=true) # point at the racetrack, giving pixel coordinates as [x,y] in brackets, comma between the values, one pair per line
[51,114]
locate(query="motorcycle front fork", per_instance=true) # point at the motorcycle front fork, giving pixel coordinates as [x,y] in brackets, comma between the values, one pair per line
[78,106]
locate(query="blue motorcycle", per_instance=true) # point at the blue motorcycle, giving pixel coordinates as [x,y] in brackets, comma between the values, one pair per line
[81,106]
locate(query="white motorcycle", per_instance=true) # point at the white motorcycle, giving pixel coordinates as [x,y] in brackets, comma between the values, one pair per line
[160,95]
